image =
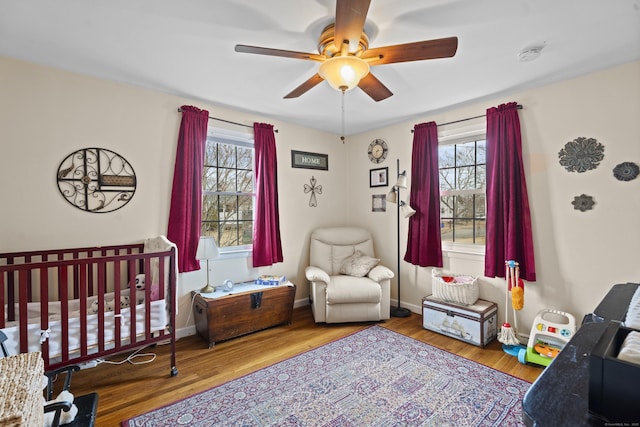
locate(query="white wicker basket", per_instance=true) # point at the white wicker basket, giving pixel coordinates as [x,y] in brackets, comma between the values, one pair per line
[457,289]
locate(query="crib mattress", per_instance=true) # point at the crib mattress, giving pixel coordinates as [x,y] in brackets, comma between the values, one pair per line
[52,333]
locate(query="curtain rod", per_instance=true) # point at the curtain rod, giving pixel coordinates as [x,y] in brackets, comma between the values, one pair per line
[519,107]
[228,121]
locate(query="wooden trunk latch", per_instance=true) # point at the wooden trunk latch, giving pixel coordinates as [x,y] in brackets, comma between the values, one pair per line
[256,300]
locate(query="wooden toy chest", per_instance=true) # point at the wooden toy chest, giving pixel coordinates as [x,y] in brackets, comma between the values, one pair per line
[243,312]
[475,324]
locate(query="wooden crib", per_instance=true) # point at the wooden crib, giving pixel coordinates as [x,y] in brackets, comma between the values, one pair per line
[76,305]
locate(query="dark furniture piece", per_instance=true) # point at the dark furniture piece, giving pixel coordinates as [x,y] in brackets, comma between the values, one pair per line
[87,403]
[560,395]
[240,313]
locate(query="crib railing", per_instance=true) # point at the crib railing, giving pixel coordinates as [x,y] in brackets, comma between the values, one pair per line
[52,280]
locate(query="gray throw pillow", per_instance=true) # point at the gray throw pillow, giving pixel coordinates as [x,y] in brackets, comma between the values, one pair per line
[358,264]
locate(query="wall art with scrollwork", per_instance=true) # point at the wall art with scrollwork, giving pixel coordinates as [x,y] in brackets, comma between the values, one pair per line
[581,155]
[96,180]
[313,189]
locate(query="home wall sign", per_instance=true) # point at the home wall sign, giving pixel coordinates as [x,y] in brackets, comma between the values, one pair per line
[306,160]
[96,180]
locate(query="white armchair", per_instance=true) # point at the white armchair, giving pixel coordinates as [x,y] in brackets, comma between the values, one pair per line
[347,284]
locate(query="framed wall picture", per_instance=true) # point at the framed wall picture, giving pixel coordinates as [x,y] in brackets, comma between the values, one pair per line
[306,160]
[378,203]
[379,177]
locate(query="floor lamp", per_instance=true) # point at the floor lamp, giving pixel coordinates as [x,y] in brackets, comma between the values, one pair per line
[207,249]
[407,211]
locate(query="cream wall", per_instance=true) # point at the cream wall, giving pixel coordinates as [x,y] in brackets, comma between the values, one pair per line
[47,113]
[579,255]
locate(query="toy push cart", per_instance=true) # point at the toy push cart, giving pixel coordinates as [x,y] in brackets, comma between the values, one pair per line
[551,331]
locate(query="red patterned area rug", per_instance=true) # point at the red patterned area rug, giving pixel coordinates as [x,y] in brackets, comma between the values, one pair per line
[375,377]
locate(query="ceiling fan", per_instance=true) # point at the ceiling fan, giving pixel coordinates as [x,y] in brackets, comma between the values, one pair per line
[345,69]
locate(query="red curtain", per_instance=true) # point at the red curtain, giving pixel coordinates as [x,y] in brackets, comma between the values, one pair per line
[424,246]
[267,248]
[185,214]
[509,234]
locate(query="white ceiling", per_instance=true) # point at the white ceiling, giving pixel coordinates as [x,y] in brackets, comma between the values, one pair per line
[186,47]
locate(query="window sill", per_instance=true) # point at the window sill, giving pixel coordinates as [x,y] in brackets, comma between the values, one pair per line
[240,253]
[454,249]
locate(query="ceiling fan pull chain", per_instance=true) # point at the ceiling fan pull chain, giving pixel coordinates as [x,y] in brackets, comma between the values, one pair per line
[342,137]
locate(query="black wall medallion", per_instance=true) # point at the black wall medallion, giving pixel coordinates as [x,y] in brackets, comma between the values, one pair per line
[96,180]
[583,203]
[581,154]
[626,171]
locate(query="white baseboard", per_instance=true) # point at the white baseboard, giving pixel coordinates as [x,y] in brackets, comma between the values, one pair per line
[414,308]
[301,302]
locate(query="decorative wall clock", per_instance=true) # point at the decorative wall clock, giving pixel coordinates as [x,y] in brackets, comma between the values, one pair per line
[581,154]
[377,151]
[96,180]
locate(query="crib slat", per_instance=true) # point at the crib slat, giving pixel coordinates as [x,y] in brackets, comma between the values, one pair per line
[11,293]
[29,293]
[44,311]
[83,310]
[117,286]
[147,297]
[22,308]
[63,292]
[101,306]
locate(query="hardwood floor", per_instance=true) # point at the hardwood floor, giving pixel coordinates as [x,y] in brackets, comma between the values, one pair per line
[127,390]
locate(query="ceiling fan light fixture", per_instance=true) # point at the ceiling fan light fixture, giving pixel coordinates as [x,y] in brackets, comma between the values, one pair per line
[343,72]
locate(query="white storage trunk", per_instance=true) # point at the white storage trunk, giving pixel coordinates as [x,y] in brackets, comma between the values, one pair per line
[475,324]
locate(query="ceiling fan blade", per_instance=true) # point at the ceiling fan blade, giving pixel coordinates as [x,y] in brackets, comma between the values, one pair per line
[350,17]
[374,88]
[279,52]
[304,87]
[417,51]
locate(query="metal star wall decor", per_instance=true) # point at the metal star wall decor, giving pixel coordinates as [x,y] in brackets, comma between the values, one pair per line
[313,189]
[583,203]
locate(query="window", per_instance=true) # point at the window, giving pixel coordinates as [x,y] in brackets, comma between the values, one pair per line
[462,191]
[228,190]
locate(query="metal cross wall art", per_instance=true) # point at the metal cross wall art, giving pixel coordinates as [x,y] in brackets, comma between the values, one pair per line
[313,189]
[96,180]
